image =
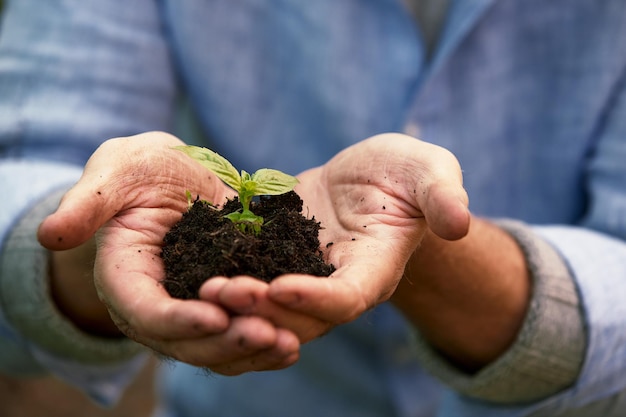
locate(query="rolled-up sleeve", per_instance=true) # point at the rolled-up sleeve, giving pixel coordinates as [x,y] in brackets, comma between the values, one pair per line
[549,350]
[592,253]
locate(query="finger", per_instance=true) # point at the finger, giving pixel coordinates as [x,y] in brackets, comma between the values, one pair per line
[193,331]
[242,295]
[109,180]
[446,212]
[337,299]
[443,201]
[248,296]
[123,173]
[245,339]
[424,179]
[127,284]
[82,211]
[284,354]
[157,316]
[210,290]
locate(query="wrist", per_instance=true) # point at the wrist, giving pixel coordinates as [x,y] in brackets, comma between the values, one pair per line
[468,298]
[549,349]
[26,302]
[73,291]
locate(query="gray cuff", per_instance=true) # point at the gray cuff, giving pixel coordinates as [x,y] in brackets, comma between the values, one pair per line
[549,350]
[27,305]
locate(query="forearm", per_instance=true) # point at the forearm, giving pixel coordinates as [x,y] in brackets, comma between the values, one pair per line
[27,302]
[74,293]
[468,298]
[545,352]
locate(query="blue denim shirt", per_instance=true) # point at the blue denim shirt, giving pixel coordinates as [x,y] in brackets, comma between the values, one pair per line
[530,95]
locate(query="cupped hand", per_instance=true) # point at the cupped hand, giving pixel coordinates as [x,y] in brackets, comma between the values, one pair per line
[375,201]
[131,192]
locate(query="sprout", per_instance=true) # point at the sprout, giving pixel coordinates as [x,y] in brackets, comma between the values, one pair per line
[263,182]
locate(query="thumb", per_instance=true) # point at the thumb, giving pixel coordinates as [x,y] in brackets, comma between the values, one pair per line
[445,208]
[82,211]
[119,171]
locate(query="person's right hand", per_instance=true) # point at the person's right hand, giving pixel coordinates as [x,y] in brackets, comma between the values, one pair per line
[131,192]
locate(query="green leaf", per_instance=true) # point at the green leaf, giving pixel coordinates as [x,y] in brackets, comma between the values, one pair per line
[215,163]
[246,221]
[245,177]
[273,182]
[263,182]
[249,187]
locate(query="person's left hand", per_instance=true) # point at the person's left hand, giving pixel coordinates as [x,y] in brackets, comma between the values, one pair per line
[375,201]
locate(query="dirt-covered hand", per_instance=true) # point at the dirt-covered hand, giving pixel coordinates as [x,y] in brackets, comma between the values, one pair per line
[375,201]
[131,192]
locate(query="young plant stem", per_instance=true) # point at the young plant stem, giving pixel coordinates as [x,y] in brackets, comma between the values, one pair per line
[262,182]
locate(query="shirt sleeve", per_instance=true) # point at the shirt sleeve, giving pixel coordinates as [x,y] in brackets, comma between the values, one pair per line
[594,252]
[549,350]
[38,338]
[72,74]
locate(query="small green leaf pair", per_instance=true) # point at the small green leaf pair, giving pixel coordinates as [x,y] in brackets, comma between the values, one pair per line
[263,182]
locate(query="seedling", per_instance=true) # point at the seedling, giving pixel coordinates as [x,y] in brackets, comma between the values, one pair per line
[263,182]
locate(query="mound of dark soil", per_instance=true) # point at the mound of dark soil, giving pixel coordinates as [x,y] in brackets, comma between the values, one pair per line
[204,244]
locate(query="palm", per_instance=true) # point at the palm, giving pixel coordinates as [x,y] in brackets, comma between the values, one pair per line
[132,191]
[150,203]
[366,228]
[375,201]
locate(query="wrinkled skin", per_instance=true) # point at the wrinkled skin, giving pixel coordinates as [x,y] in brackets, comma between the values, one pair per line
[375,201]
[133,190]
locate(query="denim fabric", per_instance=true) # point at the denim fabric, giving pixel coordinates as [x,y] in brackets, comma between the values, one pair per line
[530,95]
